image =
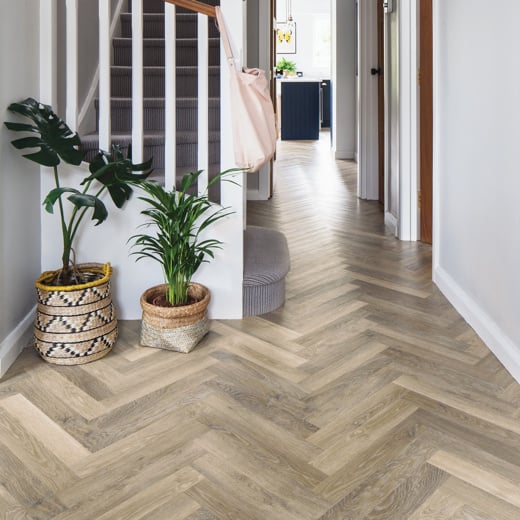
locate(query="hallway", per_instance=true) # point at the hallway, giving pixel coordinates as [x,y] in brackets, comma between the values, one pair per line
[365,396]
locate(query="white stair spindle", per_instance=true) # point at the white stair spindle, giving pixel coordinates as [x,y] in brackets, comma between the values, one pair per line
[203,101]
[137,81]
[71,111]
[170,87]
[48,54]
[104,75]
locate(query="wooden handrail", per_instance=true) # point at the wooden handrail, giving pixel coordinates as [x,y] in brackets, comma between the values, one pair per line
[194,5]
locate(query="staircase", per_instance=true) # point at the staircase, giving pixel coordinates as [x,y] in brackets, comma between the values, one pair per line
[154,90]
[247,277]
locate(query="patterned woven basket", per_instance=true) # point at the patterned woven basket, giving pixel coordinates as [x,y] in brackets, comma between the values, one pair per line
[174,328]
[75,324]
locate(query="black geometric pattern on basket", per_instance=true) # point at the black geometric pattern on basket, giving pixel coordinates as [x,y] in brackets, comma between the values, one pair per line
[80,349]
[59,298]
[79,323]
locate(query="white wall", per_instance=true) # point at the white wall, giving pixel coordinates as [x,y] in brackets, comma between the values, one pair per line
[310,18]
[476,167]
[20,194]
[344,135]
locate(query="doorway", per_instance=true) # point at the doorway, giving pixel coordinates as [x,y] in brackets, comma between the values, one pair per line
[302,67]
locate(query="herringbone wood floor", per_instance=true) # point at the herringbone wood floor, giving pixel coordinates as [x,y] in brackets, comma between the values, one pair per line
[366,396]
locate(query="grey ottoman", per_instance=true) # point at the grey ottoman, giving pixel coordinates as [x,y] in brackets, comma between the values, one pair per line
[266,264]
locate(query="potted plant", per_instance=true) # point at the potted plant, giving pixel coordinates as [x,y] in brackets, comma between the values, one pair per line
[75,321]
[286,67]
[175,313]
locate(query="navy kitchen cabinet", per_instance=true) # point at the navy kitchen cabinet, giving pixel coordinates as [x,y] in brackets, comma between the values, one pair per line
[300,109]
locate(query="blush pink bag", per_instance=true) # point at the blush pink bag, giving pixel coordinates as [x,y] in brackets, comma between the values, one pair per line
[253,119]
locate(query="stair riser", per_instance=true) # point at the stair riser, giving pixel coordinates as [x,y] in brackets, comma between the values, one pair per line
[153,119]
[186,153]
[153,53]
[186,27]
[153,85]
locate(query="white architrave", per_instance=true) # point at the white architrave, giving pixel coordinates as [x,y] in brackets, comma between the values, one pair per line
[408,115]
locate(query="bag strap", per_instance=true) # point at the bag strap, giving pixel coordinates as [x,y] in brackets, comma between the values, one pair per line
[224,36]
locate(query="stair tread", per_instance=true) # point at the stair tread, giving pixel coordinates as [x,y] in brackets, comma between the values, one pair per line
[123,41]
[159,68]
[120,100]
[160,16]
[183,137]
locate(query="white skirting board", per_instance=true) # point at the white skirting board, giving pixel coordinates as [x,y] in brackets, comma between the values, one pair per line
[391,222]
[17,340]
[499,343]
[345,155]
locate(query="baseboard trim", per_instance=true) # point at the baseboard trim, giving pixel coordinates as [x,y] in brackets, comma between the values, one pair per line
[499,343]
[15,342]
[342,155]
[391,222]
[255,195]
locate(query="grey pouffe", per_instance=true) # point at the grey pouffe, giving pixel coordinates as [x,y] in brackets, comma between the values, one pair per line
[266,264]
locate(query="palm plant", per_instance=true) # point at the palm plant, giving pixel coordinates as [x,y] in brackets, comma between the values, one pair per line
[55,142]
[178,220]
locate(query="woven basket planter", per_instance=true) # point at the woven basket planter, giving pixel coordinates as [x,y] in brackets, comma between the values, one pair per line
[174,328]
[75,324]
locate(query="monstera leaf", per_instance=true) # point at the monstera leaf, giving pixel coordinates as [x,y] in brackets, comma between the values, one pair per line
[79,200]
[115,171]
[55,140]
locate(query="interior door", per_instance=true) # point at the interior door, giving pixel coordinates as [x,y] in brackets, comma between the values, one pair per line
[426,118]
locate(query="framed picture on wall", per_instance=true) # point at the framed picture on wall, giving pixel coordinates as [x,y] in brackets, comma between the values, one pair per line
[286,38]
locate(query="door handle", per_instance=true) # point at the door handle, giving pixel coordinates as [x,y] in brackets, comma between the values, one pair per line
[375,71]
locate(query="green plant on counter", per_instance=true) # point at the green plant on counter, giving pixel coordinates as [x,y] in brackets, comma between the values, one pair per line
[286,65]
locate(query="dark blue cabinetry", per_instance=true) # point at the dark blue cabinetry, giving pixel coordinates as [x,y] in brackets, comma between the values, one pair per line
[300,110]
[325,103]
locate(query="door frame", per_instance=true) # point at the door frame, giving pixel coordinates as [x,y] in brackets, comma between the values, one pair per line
[266,11]
[426,118]
[407,10]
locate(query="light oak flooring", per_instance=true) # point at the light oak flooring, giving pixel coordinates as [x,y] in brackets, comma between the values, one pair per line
[365,397]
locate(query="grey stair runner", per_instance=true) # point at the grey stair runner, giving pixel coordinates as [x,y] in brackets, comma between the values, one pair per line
[153,79]
[266,255]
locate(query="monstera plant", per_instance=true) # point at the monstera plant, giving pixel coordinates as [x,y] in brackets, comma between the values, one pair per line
[75,321]
[54,142]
